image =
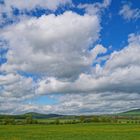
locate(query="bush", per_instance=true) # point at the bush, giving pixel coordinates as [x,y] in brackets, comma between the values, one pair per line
[8,121]
[95,119]
[57,121]
[82,119]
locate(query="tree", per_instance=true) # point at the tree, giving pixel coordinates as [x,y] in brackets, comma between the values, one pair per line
[96,119]
[57,121]
[29,120]
[8,121]
[82,119]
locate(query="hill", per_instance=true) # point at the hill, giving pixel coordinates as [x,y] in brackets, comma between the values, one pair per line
[34,115]
[43,116]
[131,113]
[135,112]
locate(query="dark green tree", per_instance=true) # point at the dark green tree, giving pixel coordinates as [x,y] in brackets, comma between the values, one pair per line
[82,119]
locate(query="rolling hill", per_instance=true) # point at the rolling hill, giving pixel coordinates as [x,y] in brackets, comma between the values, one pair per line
[135,112]
[33,114]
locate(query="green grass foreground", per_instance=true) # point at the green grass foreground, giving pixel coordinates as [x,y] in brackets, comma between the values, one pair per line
[71,132]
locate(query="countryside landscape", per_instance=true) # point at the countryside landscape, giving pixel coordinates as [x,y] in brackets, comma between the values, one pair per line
[34,126]
[69,69]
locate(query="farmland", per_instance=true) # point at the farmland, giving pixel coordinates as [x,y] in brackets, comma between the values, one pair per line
[92,131]
[34,126]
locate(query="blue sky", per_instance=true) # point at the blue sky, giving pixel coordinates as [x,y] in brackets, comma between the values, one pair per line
[69,56]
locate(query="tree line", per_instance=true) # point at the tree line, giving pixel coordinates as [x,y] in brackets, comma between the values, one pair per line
[81,119]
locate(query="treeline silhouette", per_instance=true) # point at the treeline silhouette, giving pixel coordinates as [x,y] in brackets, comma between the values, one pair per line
[8,120]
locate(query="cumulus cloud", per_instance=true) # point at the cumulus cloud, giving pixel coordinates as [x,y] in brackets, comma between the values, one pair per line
[15,87]
[32,4]
[77,104]
[20,108]
[95,8]
[97,103]
[121,73]
[53,45]
[128,13]
[107,88]
[8,7]
[29,5]
[50,46]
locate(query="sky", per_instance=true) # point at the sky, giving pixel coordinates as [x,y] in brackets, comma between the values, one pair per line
[69,56]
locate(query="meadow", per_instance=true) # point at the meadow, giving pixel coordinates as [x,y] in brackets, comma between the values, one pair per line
[81,131]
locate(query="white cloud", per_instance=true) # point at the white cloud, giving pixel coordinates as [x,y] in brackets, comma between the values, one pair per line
[91,103]
[111,88]
[53,45]
[97,103]
[121,73]
[32,4]
[106,3]
[128,13]
[98,49]
[16,87]
[25,6]
[95,8]
[20,108]
[127,57]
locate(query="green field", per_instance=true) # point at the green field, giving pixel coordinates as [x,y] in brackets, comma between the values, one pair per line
[90,131]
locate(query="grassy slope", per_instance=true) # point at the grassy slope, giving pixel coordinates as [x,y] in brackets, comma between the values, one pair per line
[71,132]
[131,113]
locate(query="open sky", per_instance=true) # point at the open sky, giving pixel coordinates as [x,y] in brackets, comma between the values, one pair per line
[69,56]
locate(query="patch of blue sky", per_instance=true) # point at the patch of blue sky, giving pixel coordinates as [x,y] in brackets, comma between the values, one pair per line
[6,21]
[3,53]
[35,76]
[43,100]
[77,2]
[115,29]
[3,50]
[1,1]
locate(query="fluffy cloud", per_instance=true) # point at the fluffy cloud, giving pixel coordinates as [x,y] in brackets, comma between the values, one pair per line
[108,88]
[128,13]
[91,103]
[8,7]
[20,108]
[96,8]
[53,45]
[15,87]
[32,4]
[97,103]
[121,73]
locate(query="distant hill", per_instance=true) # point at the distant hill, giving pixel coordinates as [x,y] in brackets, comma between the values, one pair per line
[135,112]
[43,116]
[34,115]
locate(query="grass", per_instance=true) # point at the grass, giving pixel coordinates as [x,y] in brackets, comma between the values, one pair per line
[71,132]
